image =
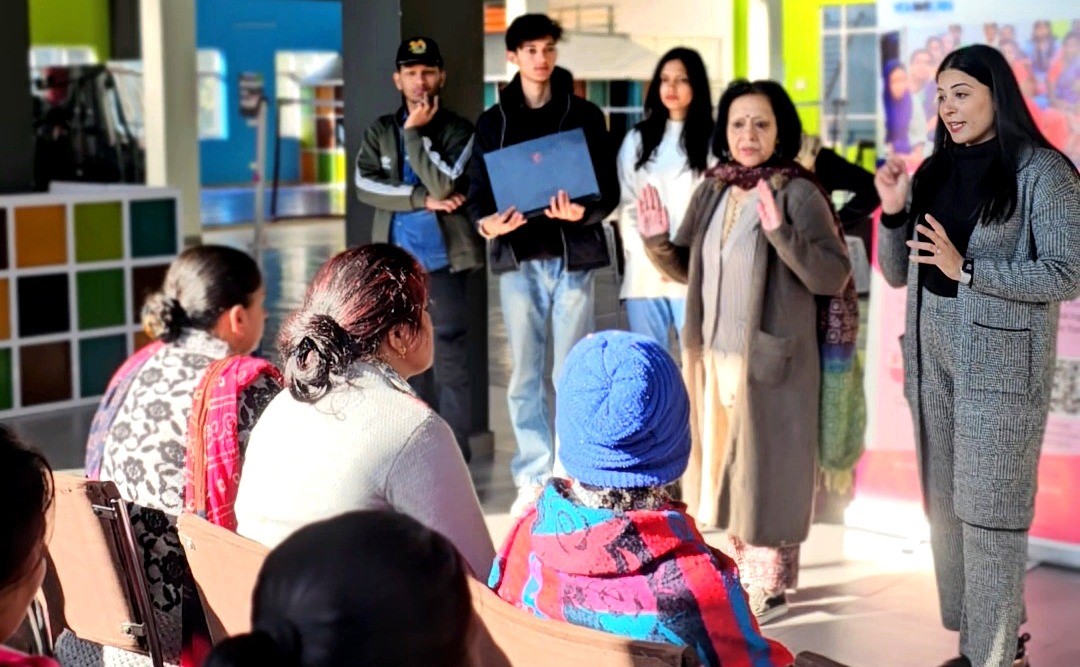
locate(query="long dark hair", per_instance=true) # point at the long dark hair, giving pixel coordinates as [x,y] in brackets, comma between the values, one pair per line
[200,285]
[362,588]
[356,298]
[788,125]
[1015,129]
[26,493]
[699,120]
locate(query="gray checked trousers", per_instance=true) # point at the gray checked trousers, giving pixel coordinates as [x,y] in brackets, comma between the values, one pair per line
[980,571]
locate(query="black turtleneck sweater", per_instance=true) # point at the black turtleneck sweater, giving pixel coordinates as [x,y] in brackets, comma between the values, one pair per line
[954,205]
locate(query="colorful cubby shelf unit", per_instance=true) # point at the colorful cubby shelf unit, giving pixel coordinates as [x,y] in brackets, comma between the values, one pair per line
[74,270]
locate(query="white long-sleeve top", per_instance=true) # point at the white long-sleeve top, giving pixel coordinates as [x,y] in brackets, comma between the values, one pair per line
[673,178]
[369,443]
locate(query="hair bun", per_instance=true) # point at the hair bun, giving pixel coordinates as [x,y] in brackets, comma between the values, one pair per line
[316,346]
[163,317]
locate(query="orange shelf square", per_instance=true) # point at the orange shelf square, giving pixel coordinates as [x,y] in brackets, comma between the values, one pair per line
[40,236]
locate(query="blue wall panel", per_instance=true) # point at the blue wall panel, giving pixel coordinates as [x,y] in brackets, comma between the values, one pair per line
[249,33]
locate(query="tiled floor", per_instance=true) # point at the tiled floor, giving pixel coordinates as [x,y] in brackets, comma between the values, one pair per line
[236,205]
[867,600]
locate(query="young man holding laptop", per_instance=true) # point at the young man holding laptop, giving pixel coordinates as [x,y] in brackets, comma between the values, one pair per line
[412,169]
[545,254]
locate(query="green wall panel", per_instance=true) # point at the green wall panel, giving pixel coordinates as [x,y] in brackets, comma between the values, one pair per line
[153,228]
[99,232]
[6,391]
[71,23]
[98,360]
[100,298]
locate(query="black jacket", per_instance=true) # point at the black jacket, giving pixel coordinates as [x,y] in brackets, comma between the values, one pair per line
[582,244]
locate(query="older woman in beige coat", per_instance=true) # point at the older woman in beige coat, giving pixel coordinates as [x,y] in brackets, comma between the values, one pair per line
[758,243]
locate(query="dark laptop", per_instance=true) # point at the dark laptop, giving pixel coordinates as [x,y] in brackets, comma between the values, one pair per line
[527,175]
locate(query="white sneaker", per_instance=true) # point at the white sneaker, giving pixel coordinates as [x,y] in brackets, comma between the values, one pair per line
[526,496]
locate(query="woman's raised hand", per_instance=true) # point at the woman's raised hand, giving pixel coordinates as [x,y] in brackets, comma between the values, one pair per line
[653,219]
[892,183]
[766,207]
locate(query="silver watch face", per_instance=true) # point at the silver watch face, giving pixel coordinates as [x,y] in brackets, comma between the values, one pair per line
[965,277]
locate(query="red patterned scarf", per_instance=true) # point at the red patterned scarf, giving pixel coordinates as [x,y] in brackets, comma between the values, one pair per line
[213,446]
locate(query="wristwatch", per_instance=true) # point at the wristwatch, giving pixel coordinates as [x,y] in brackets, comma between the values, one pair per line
[967,272]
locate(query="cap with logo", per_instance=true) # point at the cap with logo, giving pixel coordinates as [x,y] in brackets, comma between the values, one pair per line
[419,51]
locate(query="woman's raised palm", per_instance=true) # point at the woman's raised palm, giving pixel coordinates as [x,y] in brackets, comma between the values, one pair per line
[892,183]
[653,219]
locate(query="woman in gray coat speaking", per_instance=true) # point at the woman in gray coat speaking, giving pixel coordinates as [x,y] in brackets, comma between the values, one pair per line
[987,239]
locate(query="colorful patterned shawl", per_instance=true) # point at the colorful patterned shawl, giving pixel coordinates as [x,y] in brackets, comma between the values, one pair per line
[212,473]
[646,575]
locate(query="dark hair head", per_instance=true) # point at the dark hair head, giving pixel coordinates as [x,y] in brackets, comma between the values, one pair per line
[530,27]
[362,588]
[699,121]
[1015,130]
[26,493]
[788,125]
[201,284]
[356,298]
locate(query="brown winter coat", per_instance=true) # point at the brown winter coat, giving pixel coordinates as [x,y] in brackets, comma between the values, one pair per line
[766,480]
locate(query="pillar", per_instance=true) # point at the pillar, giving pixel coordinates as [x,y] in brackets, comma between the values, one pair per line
[16,112]
[170,103]
[372,30]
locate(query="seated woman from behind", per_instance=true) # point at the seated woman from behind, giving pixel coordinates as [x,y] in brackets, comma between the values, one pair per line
[609,549]
[350,433]
[171,428]
[400,601]
[189,399]
[26,494]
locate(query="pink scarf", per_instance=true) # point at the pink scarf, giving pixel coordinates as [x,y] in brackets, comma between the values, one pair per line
[213,447]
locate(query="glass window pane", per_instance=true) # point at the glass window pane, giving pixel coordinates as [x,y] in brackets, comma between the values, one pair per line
[831,86]
[830,16]
[862,73]
[847,132]
[861,16]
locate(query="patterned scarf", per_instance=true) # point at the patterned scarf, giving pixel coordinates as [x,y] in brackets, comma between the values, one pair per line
[110,405]
[733,173]
[842,416]
[643,574]
[212,474]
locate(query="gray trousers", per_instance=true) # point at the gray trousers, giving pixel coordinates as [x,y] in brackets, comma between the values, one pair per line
[980,571]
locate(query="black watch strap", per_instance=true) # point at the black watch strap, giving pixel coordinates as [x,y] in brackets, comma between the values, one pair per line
[969,268]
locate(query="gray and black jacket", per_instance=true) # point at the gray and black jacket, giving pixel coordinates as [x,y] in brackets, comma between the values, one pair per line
[439,153]
[1024,268]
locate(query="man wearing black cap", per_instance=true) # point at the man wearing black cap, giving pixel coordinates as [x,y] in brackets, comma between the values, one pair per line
[412,168]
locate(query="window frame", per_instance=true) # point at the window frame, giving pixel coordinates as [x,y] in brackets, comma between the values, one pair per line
[829,117]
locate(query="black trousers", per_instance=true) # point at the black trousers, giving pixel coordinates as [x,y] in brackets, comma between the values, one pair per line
[445,387]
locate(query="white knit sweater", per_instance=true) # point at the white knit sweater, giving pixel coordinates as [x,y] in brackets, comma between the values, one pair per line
[675,181]
[369,443]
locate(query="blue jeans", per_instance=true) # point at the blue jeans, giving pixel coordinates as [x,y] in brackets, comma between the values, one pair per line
[538,292]
[654,317]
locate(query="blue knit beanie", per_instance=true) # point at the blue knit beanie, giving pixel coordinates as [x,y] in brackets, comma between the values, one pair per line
[622,413]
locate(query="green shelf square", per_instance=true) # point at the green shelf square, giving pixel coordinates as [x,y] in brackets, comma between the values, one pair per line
[153,228]
[101,298]
[98,360]
[99,233]
[5,380]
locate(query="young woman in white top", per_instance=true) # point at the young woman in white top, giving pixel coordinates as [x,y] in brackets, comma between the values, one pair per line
[669,150]
[350,434]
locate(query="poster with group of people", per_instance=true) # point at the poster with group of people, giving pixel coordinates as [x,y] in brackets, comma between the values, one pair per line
[1043,49]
